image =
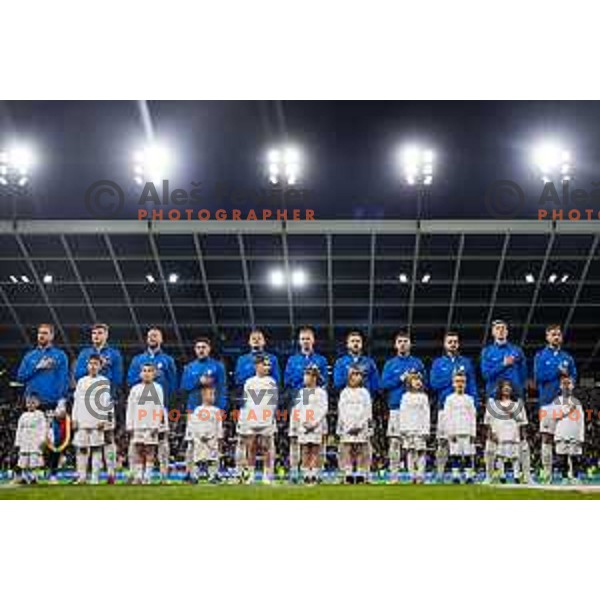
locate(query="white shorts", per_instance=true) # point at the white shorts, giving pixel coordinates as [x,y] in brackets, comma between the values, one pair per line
[414,442]
[362,437]
[568,447]
[30,460]
[88,438]
[261,429]
[547,418]
[205,449]
[311,437]
[393,428]
[148,437]
[508,450]
[461,445]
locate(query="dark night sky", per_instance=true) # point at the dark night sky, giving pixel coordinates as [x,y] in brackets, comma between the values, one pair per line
[349,149]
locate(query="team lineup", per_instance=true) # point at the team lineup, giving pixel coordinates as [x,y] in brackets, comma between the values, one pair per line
[432,416]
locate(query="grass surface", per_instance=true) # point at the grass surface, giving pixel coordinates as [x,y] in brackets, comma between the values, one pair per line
[290,492]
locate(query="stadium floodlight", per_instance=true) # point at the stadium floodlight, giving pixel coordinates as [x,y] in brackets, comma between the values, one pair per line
[553,277]
[529,278]
[283,166]
[417,165]
[403,278]
[426,278]
[25,279]
[150,278]
[299,278]
[553,162]
[48,278]
[16,164]
[564,278]
[13,279]
[152,163]
[277,278]
[173,277]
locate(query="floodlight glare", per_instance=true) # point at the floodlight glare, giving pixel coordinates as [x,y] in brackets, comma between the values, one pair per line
[529,278]
[417,165]
[24,279]
[299,278]
[13,279]
[173,278]
[403,278]
[21,159]
[151,164]
[283,165]
[426,278]
[553,162]
[564,278]
[277,278]
[150,278]
[552,277]
[48,278]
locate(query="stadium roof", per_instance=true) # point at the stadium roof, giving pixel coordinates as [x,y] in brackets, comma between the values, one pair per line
[478,272]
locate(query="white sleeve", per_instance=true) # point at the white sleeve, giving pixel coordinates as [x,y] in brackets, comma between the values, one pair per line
[427,411]
[130,409]
[41,432]
[368,404]
[19,435]
[75,415]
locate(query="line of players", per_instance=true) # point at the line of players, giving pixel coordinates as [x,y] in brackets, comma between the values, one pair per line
[451,382]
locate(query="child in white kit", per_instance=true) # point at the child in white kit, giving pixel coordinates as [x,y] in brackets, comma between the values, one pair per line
[353,427]
[570,430]
[460,423]
[414,426]
[205,432]
[145,420]
[91,406]
[506,417]
[310,413]
[32,433]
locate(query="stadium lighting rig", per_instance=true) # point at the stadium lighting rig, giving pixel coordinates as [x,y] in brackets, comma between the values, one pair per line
[278,278]
[15,166]
[151,163]
[553,162]
[417,165]
[283,166]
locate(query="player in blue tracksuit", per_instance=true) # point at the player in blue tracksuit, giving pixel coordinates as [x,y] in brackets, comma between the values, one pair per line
[440,381]
[355,358]
[204,370]
[112,369]
[294,381]
[245,367]
[112,361]
[549,365]
[166,376]
[393,380]
[503,361]
[45,373]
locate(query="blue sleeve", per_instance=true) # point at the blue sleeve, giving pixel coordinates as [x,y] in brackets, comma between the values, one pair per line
[237,375]
[472,382]
[117,369]
[324,372]
[373,376]
[172,376]
[490,369]
[423,372]
[133,375]
[542,372]
[572,369]
[288,372]
[436,381]
[26,368]
[222,399]
[188,381]
[523,369]
[339,375]
[388,381]
[276,371]
[80,369]
[63,374]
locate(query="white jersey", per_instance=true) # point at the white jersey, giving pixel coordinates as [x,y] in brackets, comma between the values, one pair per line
[311,411]
[205,423]
[354,412]
[414,418]
[260,402]
[460,415]
[505,420]
[571,428]
[32,431]
[145,407]
[91,402]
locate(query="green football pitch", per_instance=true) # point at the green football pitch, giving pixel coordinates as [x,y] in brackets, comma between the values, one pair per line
[178,491]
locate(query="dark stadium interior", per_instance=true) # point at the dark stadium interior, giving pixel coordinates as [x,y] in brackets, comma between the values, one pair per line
[478,272]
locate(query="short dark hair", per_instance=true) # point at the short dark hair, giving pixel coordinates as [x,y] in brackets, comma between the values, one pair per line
[355,332]
[95,357]
[149,364]
[451,334]
[47,326]
[403,333]
[553,326]
[203,339]
[99,326]
[307,328]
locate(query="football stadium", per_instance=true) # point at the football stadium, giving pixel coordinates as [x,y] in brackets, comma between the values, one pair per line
[299,300]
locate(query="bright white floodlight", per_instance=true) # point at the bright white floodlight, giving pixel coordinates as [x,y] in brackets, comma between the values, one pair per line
[426,278]
[15,165]
[173,278]
[150,278]
[151,164]
[529,278]
[553,277]
[48,278]
[417,165]
[277,278]
[299,278]
[403,277]
[283,166]
[553,162]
